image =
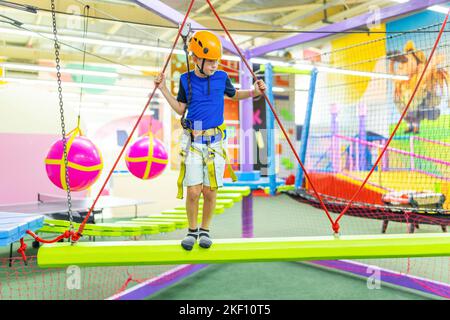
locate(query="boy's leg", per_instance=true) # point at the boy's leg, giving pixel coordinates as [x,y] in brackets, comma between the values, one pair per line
[209,195]
[192,199]
[209,205]
[193,181]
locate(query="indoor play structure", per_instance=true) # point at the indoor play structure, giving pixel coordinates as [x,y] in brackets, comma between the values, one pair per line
[372,150]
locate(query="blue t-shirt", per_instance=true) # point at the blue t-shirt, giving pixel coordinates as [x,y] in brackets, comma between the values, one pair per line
[206,107]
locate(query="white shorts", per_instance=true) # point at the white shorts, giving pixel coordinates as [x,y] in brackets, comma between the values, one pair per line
[196,169]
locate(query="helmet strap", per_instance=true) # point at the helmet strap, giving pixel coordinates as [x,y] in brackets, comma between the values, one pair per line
[201,68]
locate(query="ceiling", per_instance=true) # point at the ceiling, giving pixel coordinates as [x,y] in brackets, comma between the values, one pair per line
[125,22]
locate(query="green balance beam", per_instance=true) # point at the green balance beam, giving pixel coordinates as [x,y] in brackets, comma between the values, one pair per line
[226,203]
[89,233]
[244,250]
[62,227]
[144,228]
[179,223]
[54,222]
[282,188]
[106,229]
[161,225]
[181,210]
[99,229]
[234,196]
[181,213]
[245,191]
[217,210]
[162,216]
[89,226]
[118,229]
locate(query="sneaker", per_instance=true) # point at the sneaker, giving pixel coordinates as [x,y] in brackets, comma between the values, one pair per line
[189,241]
[204,239]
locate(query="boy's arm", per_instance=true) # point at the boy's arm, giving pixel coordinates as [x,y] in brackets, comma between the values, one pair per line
[260,86]
[244,94]
[176,105]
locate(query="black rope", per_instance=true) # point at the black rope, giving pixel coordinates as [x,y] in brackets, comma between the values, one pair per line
[183,117]
[12,21]
[85,30]
[19,6]
[19,26]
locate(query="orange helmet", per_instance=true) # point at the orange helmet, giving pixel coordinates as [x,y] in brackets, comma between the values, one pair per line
[205,45]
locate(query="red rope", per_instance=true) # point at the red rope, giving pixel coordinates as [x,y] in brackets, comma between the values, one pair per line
[322,204]
[66,235]
[125,285]
[23,245]
[78,234]
[127,282]
[399,122]
[21,250]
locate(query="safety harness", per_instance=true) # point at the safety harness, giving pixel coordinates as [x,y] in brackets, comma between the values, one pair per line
[204,136]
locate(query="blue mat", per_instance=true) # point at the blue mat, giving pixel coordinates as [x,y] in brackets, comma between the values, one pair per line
[13,226]
[254,185]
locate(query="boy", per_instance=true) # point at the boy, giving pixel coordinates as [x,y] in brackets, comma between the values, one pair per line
[200,102]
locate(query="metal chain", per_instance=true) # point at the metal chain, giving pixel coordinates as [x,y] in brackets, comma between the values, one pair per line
[61,109]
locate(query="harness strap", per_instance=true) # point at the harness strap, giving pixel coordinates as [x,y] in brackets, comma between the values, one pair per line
[210,166]
[228,164]
[208,161]
[183,153]
[233,176]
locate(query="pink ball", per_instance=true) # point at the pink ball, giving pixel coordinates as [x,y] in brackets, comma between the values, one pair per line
[84,161]
[146,158]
